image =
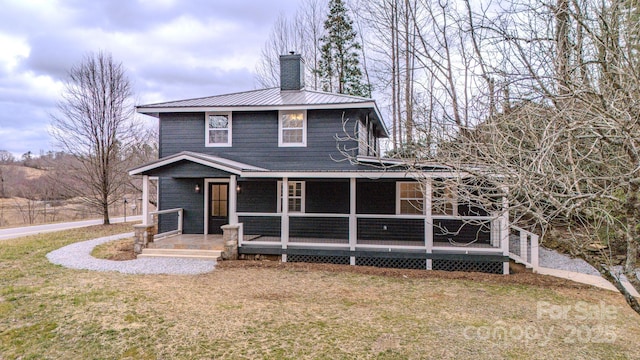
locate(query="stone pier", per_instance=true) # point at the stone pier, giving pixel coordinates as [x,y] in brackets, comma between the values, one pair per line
[143,236]
[230,237]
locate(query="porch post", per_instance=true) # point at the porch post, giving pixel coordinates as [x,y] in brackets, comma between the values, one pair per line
[428,221]
[284,222]
[353,220]
[505,230]
[233,199]
[145,200]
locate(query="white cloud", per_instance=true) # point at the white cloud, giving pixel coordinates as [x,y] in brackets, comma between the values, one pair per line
[171,50]
[14,49]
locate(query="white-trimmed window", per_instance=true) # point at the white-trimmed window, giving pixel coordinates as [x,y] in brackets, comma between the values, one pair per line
[409,198]
[217,129]
[444,200]
[292,128]
[296,196]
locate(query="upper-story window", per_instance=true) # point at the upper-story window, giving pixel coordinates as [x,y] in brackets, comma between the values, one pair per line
[292,128]
[218,129]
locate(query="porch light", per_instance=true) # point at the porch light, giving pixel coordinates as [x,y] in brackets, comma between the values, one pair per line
[238,189]
[197,189]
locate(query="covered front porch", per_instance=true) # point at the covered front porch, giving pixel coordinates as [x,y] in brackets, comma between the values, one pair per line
[354,217]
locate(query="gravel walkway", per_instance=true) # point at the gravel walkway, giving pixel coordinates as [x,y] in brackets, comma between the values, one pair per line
[78,256]
[555,260]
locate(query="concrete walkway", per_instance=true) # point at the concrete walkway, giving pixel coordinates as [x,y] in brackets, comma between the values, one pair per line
[11,233]
[586,279]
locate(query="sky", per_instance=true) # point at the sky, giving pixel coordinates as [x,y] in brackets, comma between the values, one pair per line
[171,49]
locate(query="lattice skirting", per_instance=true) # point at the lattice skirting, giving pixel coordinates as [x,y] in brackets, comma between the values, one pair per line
[392,263]
[491,267]
[340,260]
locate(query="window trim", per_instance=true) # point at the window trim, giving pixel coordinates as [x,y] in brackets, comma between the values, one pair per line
[399,198]
[229,142]
[281,129]
[303,196]
[448,187]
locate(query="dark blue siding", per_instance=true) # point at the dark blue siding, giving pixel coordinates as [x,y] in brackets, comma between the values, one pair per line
[326,228]
[376,197]
[179,193]
[188,169]
[329,197]
[255,139]
[391,229]
[258,196]
[265,226]
[461,232]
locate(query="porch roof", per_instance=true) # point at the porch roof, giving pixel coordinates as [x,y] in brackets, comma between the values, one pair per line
[212,161]
[381,168]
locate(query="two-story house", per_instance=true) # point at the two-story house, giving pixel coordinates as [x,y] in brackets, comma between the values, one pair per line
[301,172]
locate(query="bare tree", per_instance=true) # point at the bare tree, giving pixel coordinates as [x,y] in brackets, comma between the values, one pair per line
[301,34]
[566,150]
[95,125]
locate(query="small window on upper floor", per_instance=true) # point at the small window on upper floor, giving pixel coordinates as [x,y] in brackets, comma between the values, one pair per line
[218,129]
[292,128]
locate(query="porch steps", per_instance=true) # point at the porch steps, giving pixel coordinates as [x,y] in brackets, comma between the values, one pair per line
[182,253]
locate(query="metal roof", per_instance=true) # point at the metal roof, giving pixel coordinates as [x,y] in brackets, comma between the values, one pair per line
[264,97]
[268,99]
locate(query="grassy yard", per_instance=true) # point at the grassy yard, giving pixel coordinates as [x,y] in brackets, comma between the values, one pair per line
[275,311]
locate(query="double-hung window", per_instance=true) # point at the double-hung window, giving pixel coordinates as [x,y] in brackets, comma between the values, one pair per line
[444,200]
[295,194]
[292,128]
[218,129]
[410,198]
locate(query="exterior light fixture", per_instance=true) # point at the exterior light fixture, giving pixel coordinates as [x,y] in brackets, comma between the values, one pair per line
[197,189]
[238,189]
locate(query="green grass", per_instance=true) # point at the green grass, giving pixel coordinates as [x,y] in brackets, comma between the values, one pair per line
[47,311]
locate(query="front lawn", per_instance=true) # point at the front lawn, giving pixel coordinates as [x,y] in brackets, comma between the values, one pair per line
[269,310]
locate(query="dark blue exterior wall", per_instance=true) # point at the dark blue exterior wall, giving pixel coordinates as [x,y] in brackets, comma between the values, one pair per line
[188,169]
[179,193]
[255,139]
[376,197]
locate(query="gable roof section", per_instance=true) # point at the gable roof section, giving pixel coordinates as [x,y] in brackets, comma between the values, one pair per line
[268,99]
[212,161]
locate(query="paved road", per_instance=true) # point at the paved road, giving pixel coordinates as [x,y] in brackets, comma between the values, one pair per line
[39,229]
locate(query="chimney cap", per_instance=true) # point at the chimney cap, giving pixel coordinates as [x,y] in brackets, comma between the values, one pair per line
[292,52]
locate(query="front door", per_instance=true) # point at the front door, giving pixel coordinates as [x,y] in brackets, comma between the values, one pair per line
[218,206]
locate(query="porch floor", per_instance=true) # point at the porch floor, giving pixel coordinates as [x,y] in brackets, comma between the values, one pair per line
[190,241]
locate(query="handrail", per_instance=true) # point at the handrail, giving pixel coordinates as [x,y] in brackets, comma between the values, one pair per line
[180,212]
[528,241]
[165,211]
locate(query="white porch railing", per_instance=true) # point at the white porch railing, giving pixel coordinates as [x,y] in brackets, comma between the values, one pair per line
[524,247]
[178,229]
[376,231]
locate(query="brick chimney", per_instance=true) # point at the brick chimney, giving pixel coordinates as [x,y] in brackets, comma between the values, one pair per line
[291,72]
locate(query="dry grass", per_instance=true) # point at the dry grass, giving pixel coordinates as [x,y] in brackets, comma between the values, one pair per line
[117,250]
[270,310]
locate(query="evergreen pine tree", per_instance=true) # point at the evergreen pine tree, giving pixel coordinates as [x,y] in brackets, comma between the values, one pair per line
[339,66]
